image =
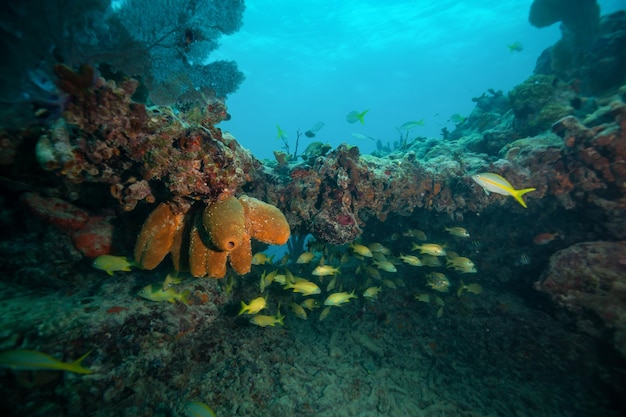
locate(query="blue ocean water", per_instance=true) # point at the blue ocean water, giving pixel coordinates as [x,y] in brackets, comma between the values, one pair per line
[403,60]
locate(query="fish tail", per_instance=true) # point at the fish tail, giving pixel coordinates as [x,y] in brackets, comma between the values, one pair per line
[362,115]
[76,367]
[280,318]
[184,297]
[244,307]
[519,193]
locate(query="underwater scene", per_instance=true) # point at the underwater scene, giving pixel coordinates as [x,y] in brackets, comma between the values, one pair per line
[410,209]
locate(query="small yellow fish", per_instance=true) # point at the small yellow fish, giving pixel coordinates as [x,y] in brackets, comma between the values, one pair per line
[424,298]
[379,248]
[372,292]
[324,313]
[281,133]
[155,292]
[385,266]
[472,288]
[416,233]
[431,261]
[264,321]
[438,281]
[361,249]
[432,249]
[515,47]
[310,304]
[110,263]
[355,116]
[261,259]
[390,284]
[298,310]
[198,409]
[411,260]
[339,298]
[280,279]
[461,264]
[33,360]
[304,287]
[331,284]
[457,231]
[324,270]
[229,284]
[499,185]
[305,258]
[254,307]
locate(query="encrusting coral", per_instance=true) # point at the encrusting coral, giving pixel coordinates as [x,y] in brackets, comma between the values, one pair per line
[220,232]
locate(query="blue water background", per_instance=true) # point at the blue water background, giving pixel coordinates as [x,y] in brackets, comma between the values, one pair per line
[317,60]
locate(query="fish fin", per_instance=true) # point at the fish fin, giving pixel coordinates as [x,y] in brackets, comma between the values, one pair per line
[519,193]
[108,271]
[184,297]
[243,308]
[362,115]
[76,367]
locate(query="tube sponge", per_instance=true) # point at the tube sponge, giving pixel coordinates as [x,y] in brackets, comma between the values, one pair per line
[225,224]
[157,236]
[265,222]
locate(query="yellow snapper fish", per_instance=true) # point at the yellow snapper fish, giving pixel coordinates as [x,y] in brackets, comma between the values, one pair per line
[390,284]
[155,292]
[198,409]
[416,233]
[432,249]
[372,292]
[411,260]
[339,298]
[264,321]
[254,307]
[431,261]
[438,281]
[373,273]
[424,298]
[324,270]
[471,288]
[385,266]
[310,304]
[331,284]
[515,47]
[324,313]
[303,286]
[261,259]
[379,248]
[354,116]
[305,258]
[495,183]
[110,264]
[361,249]
[460,262]
[458,231]
[281,133]
[33,360]
[298,310]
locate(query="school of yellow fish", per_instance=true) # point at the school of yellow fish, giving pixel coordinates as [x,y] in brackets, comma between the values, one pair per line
[328,277]
[343,273]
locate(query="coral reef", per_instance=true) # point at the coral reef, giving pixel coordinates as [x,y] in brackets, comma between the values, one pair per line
[589,279]
[220,232]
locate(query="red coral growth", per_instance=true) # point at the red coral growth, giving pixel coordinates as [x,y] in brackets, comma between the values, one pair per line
[55,211]
[95,238]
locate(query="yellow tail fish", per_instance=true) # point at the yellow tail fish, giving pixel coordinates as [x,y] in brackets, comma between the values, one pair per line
[34,360]
[499,185]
